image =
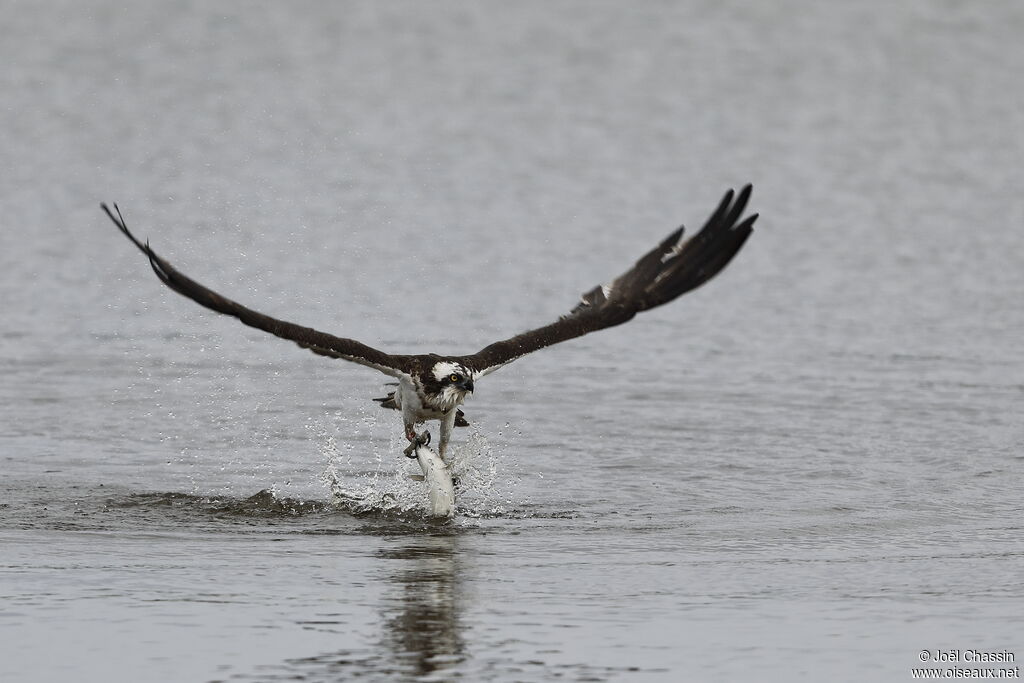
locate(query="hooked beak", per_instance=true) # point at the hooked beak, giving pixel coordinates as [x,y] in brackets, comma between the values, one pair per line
[466,384]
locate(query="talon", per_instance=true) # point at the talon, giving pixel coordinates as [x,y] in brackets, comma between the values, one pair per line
[416,441]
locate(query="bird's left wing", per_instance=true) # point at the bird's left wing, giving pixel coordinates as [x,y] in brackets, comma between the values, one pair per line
[673,267]
[306,337]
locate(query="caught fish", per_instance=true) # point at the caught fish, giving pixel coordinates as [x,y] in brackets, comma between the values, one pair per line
[440,488]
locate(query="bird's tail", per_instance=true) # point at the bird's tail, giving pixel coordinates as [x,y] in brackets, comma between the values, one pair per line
[388,401]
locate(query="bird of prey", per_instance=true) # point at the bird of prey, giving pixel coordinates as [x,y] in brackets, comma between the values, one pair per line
[432,386]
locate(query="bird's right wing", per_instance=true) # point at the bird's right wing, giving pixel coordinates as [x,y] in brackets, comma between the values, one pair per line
[306,337]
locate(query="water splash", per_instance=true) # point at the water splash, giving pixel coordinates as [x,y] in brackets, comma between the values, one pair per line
[487,483]
[484,481]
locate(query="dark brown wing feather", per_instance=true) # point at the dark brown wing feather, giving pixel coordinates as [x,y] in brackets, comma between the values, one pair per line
[670,269]
[306,337]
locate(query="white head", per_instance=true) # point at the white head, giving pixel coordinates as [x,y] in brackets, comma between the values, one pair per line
[446,384]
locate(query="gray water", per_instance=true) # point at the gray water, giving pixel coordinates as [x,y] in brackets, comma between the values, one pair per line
[807,470]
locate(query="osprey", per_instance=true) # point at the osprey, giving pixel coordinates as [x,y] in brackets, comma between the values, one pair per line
[431,386]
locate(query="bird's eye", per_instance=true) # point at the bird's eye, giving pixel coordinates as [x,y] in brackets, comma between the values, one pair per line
[453,377]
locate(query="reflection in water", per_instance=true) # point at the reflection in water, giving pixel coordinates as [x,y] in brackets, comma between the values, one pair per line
[419,617]
[422,624]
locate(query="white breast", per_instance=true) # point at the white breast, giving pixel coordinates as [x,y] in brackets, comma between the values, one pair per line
[408,399]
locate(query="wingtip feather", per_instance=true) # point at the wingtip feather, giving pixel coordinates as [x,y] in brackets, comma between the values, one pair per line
[119,221]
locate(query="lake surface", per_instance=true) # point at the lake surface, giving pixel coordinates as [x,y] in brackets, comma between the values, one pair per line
[809,469]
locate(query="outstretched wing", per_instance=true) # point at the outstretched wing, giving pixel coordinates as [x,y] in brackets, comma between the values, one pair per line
[672,268]
[306,337]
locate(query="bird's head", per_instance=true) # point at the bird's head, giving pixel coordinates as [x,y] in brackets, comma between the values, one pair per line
[447,383]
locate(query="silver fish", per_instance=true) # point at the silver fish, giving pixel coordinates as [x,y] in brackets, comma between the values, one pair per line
[440,488]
